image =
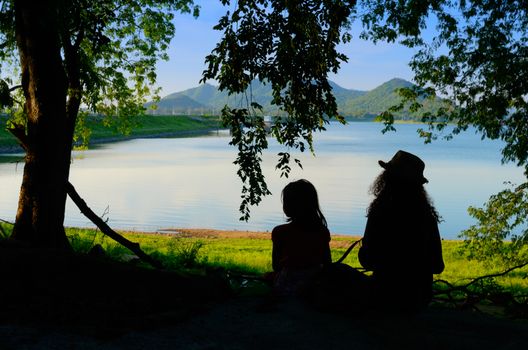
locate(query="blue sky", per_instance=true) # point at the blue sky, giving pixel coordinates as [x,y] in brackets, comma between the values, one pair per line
[369,65]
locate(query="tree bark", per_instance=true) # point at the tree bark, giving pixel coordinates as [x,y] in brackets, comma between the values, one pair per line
[40,215]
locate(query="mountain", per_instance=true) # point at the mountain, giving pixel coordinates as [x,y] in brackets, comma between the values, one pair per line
[375,101]
[207,98]
[204,93]
[209,95]
[342,95]
[177,104]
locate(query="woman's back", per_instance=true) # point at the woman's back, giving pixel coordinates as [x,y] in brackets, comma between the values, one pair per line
[399,238]
[300,246]
[401,244]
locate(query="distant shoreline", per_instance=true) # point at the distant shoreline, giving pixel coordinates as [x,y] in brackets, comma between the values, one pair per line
[167,134]
[150,127]
[13,149]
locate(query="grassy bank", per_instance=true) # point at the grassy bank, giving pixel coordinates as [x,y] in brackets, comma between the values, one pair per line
[148,125]
[250,253]
[153,125]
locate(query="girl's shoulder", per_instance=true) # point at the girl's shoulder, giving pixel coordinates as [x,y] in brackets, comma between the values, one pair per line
[281,230]
[296,228]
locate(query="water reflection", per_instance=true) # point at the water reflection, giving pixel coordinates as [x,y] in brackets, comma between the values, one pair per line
[150,184]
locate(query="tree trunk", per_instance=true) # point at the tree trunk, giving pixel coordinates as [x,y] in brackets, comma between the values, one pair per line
[40,215]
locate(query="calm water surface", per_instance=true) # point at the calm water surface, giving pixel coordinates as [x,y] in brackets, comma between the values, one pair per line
[152,184]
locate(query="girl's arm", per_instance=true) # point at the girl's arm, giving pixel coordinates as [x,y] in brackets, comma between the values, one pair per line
[276,251]
[327,255]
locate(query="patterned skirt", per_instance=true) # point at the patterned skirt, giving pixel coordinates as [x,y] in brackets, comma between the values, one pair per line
[294,281]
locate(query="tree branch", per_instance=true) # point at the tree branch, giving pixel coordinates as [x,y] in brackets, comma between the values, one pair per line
[103,226]
[7,222]
[472,298]
[348,251]
[496,274]
[13,88]
[19,133]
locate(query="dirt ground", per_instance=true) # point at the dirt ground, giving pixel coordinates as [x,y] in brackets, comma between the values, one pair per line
[344,242]
[250,323]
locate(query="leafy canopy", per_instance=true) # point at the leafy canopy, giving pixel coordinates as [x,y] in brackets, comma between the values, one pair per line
[290,45]
[502,219]
[478,57]
[109,50]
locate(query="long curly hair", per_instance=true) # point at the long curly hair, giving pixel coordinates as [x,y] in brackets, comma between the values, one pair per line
[390,190]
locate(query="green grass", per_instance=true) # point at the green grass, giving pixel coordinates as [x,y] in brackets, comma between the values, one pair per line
[149,125]
[6,139]
[253,255]
[5,230]
[8,158]
[154,125]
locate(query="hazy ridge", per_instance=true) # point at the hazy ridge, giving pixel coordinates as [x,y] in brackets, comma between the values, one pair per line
[357,104]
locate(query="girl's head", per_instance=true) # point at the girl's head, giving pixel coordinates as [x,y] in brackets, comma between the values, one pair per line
[301,204]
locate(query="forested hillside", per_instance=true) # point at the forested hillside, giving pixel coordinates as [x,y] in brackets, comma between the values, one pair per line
[207,99]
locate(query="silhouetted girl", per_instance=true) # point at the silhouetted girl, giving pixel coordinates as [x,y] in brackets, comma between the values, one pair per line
[300,247]
[402,244]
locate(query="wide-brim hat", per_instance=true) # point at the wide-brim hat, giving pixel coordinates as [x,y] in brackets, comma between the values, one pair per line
[406,166]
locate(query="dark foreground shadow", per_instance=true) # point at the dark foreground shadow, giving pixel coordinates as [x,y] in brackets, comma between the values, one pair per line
[96,295]
[240,323]
[77,302]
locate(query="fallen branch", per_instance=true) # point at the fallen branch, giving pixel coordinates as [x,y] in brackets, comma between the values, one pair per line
[505,272]
[348,251]
[463,296]
[19,132]
[103,226]
[7,222]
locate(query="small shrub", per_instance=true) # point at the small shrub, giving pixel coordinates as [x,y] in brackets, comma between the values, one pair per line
[5,230]
[184,253]
[82,240]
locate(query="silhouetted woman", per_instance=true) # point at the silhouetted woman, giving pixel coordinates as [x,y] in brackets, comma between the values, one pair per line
[300,247]
[402,244]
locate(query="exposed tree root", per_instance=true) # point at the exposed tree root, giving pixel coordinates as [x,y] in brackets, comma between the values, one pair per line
[483,292]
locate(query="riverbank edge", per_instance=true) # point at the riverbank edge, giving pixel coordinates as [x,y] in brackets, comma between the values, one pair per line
[16,149]
[218,233]
[167,134]
[207,233]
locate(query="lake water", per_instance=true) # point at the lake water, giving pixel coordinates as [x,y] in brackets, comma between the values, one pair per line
[152,184]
